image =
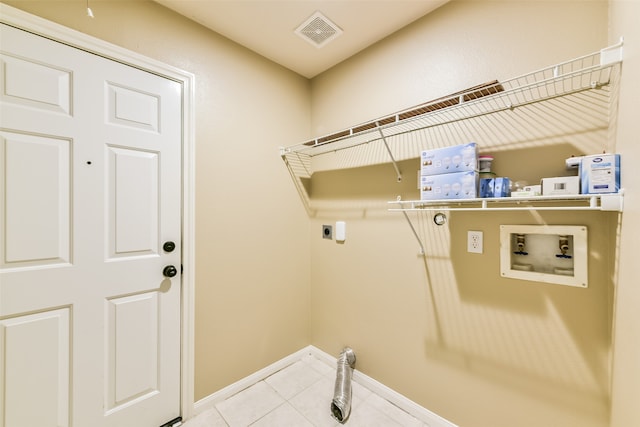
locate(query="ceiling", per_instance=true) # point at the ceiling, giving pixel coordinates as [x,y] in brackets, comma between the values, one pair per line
[268,27]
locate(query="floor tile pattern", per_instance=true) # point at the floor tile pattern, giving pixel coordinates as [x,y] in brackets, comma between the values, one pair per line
[300,396]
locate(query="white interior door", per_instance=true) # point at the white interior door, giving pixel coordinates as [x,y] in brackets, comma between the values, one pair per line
[90,191]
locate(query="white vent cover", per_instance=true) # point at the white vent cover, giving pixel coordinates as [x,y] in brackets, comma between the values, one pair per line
[318,30]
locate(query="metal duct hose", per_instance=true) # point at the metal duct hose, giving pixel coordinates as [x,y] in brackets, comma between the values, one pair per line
[341,404]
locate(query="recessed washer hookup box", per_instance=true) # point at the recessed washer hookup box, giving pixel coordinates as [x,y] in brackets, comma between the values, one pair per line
[600,173]
[458,158]
[461,185]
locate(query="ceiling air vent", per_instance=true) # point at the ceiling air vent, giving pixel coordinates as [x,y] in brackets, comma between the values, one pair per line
[318,30]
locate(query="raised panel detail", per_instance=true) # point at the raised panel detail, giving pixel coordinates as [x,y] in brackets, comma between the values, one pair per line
[130,107]
[133,202]
[132,333]
[35,200]
[34,361]
[33,84]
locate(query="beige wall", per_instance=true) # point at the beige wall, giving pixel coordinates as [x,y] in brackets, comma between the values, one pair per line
[449,332]
[459,45]
[252,266]
[626,361]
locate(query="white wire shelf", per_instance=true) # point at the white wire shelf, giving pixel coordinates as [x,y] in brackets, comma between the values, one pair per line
[571,102]
[582,202]
[567,98]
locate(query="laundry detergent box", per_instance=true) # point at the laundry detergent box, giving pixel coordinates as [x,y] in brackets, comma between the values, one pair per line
[600,173]
[459,185]
[487,187]
[495,187]
[502,187]
[458,158]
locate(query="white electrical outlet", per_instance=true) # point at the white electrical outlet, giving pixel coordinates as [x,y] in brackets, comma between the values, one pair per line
[474,242]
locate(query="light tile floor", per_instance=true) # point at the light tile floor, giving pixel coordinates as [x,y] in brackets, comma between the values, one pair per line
[300,396]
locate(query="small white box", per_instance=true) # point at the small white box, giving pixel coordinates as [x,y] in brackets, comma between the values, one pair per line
[461,185]
[528,191]
[569,185]
[600,174]
[458,158]
[535,189]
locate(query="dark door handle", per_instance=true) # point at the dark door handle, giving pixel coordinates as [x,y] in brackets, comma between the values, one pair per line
[169,271]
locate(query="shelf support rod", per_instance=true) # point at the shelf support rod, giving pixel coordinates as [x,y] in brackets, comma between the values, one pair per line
[415,233]
[393,160]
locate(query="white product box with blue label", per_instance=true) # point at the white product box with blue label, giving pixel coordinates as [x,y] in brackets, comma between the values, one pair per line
[461,185]
[600,173]
[459,158]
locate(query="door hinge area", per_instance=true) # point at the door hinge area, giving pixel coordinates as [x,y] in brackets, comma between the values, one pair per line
[173,423]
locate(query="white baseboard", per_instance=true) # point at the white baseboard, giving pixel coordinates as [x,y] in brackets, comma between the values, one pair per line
[247,382]
[409,406]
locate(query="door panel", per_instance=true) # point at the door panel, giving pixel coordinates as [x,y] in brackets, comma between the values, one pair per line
[91,188]
[129,107]
[36,212]
[35,349]
[132,370]
[134,200]
[35,84]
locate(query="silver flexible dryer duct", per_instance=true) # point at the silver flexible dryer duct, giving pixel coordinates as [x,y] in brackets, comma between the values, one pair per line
[341,404]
